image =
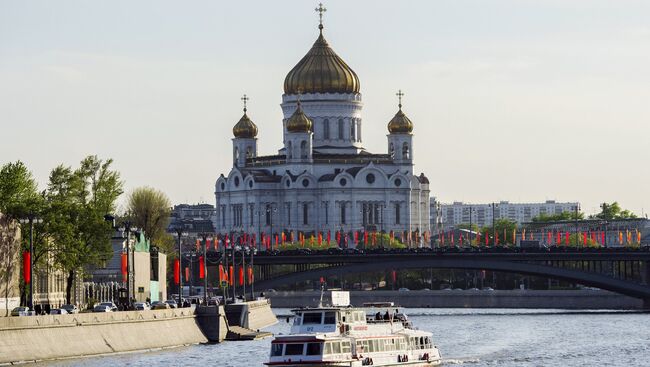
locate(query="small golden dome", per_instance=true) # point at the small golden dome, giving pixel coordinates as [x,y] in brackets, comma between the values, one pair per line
[245,128]
[321,70]
[299,122]
[400,124]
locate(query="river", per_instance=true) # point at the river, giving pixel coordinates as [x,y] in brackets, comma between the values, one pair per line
[470,337]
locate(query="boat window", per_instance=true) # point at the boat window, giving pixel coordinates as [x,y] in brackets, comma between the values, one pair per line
[345,347]
[336,347]
[328,348]
[276,350]
[330,318]
[311,318]
[293,349]
[297,319]
[314,349]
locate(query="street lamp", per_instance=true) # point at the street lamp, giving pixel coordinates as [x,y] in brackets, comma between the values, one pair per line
[126,226]
[31,219]
[205,237]
[253,252]
[180,233]
[494,229]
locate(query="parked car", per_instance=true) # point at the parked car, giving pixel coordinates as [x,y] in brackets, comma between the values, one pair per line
[159,306]
[20,311]
[70,308]
[102,308]
[171,303]
[58,311]
[112,305]
[403,290]
[141,306]
[487,288]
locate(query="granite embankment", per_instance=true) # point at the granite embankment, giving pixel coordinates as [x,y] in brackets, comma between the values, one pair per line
[36,338]
[577,299]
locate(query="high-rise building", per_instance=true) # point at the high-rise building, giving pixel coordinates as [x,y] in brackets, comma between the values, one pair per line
[451,215]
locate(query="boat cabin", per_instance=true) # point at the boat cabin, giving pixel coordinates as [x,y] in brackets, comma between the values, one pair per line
[324,320]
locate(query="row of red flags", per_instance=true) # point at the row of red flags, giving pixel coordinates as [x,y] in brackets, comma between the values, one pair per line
[321,238]
[224,275]
[546,237]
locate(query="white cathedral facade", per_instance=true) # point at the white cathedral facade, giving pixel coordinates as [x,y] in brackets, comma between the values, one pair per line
[322,180]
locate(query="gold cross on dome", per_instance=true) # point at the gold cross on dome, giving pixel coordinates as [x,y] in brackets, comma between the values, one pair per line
[320,10]
[245,99]
[399,95]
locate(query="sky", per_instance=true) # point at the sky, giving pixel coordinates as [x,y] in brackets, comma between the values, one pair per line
[519,100]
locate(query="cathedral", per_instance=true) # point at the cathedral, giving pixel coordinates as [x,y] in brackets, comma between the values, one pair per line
[322,183]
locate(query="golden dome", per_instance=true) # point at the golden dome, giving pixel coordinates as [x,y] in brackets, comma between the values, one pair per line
[299,122]
[321,70]
[400,124]
[245,128]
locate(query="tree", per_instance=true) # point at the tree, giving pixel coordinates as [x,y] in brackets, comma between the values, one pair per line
[19,198]
[613,211]
[9,258]
[149,209]
[18,191]
[505,229]
[77,201]
[565,215]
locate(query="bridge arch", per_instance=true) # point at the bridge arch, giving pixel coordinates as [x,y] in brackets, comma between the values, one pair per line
[586,278]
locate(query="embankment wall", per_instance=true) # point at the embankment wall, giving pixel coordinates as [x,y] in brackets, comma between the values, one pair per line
[578,299]
[61,336]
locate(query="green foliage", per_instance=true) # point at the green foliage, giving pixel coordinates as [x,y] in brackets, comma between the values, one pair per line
[18,191]
[613,211]
[149,209]
[566,215]
[504,227]
[77,201]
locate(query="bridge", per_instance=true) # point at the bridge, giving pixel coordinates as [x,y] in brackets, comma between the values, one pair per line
[619,270]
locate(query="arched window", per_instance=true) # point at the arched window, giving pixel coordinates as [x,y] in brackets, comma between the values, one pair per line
[236,154]
[249,153]
[341,128]
[391,150]
[398,213]
[359,130]
[405,151]
[305,214]
[289,150]
[303,149]
[326,129]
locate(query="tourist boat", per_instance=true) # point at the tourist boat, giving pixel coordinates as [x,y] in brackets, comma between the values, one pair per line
[346,336]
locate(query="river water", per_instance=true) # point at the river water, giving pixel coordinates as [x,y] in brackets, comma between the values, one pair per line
[469,337]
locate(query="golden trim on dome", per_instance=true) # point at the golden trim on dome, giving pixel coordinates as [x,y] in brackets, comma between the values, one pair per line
[245,127]
[400,124]
[299,122]
[321,70]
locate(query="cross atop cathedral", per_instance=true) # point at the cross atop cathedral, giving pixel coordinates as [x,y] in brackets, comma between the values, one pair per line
[245,99]
[320,10]
[399,95]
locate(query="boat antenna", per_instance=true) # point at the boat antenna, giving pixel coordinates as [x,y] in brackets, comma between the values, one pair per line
[322,290]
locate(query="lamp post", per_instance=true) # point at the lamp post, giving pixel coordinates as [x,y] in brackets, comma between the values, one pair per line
[126,227]
[205,237]
[180,233]
[494,229]
[470,225]
[31,219]
[253,252]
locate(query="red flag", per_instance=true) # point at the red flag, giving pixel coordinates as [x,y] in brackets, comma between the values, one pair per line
[221,274]
[27,275]
[566,238]
[320,238]
[602,238]
[328,237]
[394,275]
[124,268]
[187,274]
[231,276]
[249,275]
[201,267]
[241,276]
[322,280]
[177,271]
[487,239]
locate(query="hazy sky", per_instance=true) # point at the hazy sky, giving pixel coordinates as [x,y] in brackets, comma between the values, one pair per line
[516,100]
